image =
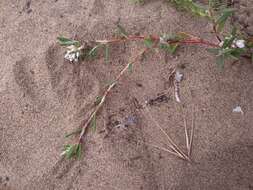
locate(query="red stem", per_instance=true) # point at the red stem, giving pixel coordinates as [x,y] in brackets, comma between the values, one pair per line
[199,41]
[156,39]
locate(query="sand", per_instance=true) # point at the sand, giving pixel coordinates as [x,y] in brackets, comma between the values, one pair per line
[43,97]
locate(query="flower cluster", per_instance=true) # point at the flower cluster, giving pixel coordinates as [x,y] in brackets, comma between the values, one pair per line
[236,43]
[73,53]
[239,43]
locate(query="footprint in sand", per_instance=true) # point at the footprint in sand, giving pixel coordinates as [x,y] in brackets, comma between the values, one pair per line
[24,78]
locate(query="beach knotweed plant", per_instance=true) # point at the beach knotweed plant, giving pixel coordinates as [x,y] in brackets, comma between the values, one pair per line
[228,45]
[232,45]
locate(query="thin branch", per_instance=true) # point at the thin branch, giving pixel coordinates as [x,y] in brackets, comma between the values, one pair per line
[115,40]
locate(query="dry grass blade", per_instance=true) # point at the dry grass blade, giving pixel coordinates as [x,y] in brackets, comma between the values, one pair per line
[186,136]
[192,134]
[172,145]
[166,150]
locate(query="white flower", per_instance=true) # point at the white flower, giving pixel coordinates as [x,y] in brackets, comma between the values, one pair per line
[72,55]
[238,109]
[240,43]
[221,43]
[162,40]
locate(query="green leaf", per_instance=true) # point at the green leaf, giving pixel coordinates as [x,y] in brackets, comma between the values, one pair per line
[228,41]
[70,151]
[225,51]
[93,123]
[217,5]
[67,42]
[214,51]
[148,42]
[73,133]
[191,6]
[106,53]
[93,51]
[226,13]
[98,100]
[198,10]
[66,146]
[130,68]
[171,48]
[220,61]
[78,151]
[237,52]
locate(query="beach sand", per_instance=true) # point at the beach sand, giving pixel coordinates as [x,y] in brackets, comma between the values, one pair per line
[43,97]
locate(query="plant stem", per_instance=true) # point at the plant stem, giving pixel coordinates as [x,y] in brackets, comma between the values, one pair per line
[115,40]
[192,40]
[199,41]
[214,25]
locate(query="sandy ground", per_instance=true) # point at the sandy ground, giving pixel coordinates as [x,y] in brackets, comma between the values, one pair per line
[43,97]
[244,15]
